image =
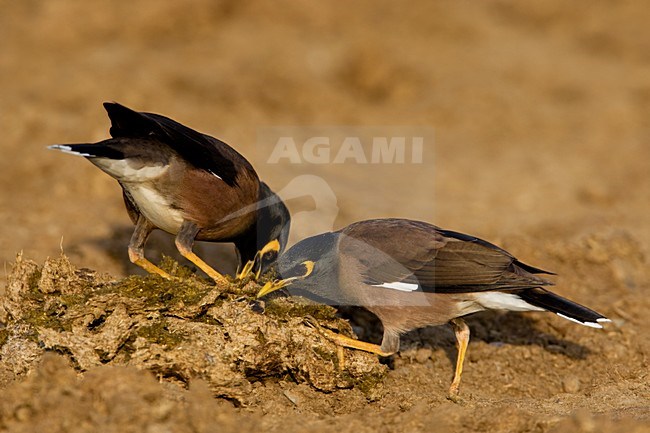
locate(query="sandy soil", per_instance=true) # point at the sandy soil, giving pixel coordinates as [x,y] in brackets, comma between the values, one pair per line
[541,116]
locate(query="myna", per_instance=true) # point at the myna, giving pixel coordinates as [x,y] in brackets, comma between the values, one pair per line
[412,274]
[188,184]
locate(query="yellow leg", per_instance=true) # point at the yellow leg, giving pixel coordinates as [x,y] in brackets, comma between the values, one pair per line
[148,266]
[184,242]
[462,338]
[340,356]
[142,231]
[216,276]
[342,341]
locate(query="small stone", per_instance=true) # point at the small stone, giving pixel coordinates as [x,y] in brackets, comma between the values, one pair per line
[571,384]
[292,397]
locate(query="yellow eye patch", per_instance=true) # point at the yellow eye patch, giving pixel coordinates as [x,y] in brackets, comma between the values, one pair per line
[309,265]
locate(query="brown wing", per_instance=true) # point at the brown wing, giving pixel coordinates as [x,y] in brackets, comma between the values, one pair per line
[201,150]
[413,252]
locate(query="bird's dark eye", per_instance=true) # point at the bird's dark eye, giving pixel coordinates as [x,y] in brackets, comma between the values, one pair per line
[309,267]
[270,256]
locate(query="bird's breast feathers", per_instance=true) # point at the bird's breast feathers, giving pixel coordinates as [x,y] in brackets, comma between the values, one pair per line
[155,207]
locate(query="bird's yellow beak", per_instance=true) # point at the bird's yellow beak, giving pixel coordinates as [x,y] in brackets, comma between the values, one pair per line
[273,246]
[272,286]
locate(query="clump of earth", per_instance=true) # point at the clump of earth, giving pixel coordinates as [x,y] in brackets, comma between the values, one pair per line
[179,330]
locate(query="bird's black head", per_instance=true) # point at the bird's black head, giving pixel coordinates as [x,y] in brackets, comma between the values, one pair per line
[274,220]
[308,265]
[273,224]
[261,246]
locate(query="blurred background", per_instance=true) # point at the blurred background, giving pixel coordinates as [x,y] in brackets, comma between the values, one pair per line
[541,111]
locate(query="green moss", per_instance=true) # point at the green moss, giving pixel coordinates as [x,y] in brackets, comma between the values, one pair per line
[370,384]
[286,307]
[327,355]
[34,294]
[51,314]
[50,318]
[159,292]
[40,319]
[159,333]
[172,267]
[76,299]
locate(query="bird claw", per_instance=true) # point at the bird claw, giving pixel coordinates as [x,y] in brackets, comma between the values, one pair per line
[455,398]
[313,323]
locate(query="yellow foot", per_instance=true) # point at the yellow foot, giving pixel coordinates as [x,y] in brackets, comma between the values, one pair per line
[344,341]
[340,356]
[219,279]
[151,268]
[455,398]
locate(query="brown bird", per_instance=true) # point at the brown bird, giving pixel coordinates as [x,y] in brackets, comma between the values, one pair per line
[412,274]
[188,184]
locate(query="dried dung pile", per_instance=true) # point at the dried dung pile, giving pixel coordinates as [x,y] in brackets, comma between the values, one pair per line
[179,330]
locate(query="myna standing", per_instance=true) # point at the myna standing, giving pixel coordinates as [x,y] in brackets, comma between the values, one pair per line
[188,184]
[412,274]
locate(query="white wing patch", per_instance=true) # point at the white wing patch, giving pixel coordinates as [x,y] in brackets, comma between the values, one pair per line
[398,285]
[504,301]
[68,149]
[215,174]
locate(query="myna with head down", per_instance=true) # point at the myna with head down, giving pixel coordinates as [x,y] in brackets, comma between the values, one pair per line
[188,184]
[412,274]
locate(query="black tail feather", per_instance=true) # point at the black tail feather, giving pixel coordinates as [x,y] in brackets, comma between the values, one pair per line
[563,307]
[126,122]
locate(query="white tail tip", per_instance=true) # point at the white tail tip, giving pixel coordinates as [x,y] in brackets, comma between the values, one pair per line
[596,324]
[67,149]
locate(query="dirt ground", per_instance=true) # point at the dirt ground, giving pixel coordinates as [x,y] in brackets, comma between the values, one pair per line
[541,113]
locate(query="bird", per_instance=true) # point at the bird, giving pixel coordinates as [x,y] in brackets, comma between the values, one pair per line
[190,185]
[412,274]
